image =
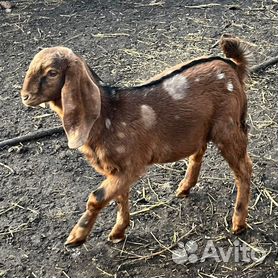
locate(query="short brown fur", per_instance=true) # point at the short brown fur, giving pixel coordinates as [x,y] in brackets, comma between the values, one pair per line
[122,131]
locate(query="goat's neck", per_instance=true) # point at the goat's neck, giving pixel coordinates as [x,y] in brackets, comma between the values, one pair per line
[56,106]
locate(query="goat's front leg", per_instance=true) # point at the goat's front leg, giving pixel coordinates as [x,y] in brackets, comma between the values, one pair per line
[118,232]
[111,188]
[192,173]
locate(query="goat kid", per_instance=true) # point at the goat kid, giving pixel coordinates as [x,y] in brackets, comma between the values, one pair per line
[123,130]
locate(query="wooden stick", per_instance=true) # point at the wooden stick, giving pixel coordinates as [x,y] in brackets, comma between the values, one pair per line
[264,65]
[32,136]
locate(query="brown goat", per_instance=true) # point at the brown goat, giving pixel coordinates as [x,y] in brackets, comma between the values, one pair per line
[122,131]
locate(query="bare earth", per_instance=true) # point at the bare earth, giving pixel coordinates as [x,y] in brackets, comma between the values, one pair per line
[44,185]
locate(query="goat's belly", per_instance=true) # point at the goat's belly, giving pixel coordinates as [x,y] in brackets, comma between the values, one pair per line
[179,141]
[174,153]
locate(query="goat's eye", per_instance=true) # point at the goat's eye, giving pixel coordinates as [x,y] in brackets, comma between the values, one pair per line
[52,73]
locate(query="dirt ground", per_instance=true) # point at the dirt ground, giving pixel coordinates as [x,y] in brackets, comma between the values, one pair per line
[44,185]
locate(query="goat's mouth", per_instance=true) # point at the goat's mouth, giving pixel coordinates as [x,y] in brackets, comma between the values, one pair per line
[31,102]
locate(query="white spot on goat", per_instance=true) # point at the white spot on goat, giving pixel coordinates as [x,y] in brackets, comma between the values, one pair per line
[197,79]
[220,75]
[230,86]
[231,122]
[107,123]
[123,123]
[176,86]
[120,149]
[120,135]
[148,116]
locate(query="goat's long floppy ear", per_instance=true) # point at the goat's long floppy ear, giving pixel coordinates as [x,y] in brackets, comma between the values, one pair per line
[81,103]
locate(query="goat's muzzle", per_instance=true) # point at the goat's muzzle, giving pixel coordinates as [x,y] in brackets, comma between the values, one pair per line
[28,100]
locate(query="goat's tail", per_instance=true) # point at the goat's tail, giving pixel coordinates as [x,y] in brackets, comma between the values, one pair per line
[238,51]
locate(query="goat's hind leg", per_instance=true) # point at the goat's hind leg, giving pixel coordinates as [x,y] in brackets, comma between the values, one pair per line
[234,150]
[192,173]
[243,172]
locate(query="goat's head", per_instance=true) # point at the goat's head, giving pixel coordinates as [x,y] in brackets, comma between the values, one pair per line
[57,74]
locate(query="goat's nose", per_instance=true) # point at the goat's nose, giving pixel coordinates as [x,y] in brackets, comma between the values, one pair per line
[25,97]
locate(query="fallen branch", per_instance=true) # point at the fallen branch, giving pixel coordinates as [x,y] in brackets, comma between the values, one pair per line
[57,130]
[32,136]
[264,65]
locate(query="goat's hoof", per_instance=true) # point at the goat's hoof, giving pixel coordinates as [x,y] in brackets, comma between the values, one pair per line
[238,229]
[116,238]
[74,241]
[74,244]
[77,236]
[182,194]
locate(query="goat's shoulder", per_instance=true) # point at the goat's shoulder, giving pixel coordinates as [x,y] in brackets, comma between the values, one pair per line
[101,158]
